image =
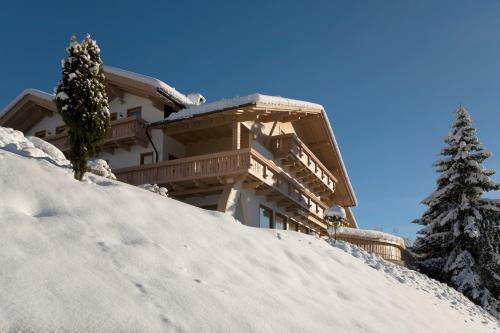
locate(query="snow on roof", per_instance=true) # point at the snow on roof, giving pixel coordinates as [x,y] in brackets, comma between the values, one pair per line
[371,234]
[123,268]
[30,91]
[171,91]
[224,104]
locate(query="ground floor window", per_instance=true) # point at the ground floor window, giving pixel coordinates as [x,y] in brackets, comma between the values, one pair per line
[265,217]
[60,129]
[135,112]
[280,222]
[41,134]
[292,225]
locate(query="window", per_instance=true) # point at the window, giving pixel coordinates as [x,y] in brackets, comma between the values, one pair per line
[265,217]
[292,225]
[147,158]
[41,134]
[280,222]
[60,129]
[134,112]
[113,116]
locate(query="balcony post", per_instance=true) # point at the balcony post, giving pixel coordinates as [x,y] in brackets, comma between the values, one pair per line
[236,136]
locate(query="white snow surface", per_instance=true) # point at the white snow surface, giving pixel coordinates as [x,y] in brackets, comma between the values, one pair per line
[370,234]
[104,256]
[31,146]
[185,100]
[160,190]
[238,101]
[101,168]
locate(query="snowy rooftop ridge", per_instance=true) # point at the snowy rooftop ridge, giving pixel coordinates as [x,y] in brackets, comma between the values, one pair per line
[29,91]
[178,96]
[234,102]
[371,234]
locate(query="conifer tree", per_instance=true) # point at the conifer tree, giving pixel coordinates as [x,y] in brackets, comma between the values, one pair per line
[82,101]
[460,241]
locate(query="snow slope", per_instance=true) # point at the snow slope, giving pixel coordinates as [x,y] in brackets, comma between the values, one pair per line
[102,256]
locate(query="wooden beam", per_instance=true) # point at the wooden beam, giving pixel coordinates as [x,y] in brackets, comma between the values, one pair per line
[318,144]
[236,132]
[273,196]
[195,191]
[283,203]
[263,191]
[199,183]
[252,184]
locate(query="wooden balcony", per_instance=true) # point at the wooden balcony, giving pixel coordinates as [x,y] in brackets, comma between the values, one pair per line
[183,171]
[307,168]
[122,134]
[204,173]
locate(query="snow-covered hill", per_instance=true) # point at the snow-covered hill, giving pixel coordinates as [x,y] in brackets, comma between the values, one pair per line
[103,256]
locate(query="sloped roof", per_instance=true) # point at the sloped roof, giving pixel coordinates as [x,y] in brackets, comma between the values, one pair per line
[234,102]
[170,91]
[27,92]
[264,100]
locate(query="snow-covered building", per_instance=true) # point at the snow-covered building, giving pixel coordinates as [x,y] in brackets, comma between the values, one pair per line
[268,161]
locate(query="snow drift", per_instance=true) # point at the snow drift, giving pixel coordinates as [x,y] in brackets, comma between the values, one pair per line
[103,256]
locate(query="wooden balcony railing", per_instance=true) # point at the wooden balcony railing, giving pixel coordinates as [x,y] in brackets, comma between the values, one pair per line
[123,132]
[226,164]
[189,168]
[311,169]
[272,175]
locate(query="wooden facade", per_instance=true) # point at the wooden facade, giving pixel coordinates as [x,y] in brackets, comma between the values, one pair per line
[123,133]
[279,155]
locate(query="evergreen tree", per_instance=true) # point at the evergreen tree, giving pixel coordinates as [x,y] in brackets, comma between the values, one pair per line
[82,101]
[459,244]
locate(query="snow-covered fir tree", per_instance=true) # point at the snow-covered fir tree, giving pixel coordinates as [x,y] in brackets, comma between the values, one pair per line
[460,242]
[82,101]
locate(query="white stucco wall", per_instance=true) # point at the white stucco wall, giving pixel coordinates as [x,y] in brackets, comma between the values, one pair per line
[48,124]
[121,158]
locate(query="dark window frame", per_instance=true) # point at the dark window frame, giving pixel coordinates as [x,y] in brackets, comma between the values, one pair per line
[172,157]
[41,134]
[60,129]
[147,154]
[135,112]
[285,221]
[271,216]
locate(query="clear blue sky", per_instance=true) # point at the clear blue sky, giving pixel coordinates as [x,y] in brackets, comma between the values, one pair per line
[389,73]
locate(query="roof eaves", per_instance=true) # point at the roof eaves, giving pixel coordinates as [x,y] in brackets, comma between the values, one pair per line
[26,92]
